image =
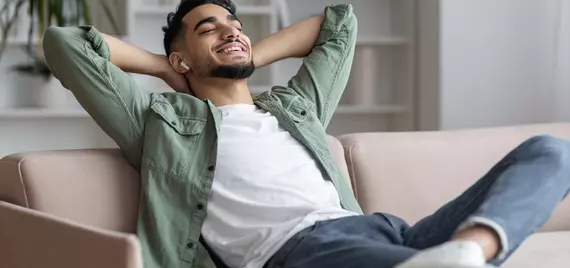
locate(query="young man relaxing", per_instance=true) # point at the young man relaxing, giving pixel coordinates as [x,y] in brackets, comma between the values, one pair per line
[234,181]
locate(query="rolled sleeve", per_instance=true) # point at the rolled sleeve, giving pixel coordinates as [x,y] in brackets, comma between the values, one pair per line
[324,74]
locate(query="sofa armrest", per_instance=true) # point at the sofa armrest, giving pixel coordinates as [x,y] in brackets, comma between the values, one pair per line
[411,174]
[96,187]
[31,239]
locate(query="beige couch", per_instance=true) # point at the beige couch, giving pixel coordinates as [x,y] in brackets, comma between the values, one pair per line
[78,208]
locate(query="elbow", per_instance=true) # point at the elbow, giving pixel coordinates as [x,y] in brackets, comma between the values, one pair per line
[51,37]
[52,42]
[52,47]
[348,26]
[339,18]
[350,20]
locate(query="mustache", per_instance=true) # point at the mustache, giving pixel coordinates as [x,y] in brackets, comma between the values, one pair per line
[229,41]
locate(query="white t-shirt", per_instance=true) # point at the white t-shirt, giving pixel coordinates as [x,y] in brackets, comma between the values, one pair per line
[266,188]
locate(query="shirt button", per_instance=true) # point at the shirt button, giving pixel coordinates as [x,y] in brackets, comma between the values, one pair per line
[200,206]
[303,113]
[211,168]
[190,245]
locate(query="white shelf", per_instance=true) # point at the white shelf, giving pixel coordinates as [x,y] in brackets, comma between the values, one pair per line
[380,41]
[163,10]
[20,41]
[377,109]
[22,113]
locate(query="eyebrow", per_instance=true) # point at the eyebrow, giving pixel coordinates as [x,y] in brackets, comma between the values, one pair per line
[213,19]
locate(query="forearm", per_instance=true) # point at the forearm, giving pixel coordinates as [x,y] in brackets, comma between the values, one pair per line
[296,41]
[133,59]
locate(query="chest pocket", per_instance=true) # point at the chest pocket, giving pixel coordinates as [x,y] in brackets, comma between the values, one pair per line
[183,125]
[300,109]
[171,140]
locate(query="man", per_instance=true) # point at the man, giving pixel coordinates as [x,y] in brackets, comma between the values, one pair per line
[236,181]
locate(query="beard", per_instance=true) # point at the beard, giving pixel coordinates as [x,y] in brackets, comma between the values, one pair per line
[238,71]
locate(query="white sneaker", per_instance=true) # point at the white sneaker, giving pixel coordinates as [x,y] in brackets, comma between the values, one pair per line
[454,254]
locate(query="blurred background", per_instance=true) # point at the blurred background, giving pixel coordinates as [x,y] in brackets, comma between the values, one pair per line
[419,64]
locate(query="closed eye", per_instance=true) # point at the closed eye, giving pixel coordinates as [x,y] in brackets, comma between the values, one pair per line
[207,31]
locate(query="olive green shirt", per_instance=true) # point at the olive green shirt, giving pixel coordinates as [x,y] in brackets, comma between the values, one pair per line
[171,138]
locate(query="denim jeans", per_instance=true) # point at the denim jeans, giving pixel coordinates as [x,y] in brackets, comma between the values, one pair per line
[514,198]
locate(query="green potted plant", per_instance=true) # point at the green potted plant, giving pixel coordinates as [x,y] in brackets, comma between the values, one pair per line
[9,11]
[36,81]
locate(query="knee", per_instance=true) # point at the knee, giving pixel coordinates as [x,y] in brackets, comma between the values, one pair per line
[553,148]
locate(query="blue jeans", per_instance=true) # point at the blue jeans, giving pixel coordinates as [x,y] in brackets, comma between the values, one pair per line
[514,198]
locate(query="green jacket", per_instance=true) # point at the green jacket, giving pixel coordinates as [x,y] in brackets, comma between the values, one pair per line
[172,137]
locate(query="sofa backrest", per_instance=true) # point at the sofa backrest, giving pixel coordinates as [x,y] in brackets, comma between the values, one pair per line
[412,174]
[406,174]
[96,187]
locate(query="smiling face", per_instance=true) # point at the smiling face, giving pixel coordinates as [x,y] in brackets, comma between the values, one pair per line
[212,44]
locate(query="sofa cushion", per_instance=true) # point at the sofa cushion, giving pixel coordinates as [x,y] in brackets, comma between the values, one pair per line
[548,249]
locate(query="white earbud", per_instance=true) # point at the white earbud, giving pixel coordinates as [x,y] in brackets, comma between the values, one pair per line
[184,65]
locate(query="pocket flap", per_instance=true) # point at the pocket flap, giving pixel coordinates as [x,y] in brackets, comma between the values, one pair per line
[183,125]
[299,108]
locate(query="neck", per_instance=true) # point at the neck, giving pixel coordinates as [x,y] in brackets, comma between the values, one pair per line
[222,91]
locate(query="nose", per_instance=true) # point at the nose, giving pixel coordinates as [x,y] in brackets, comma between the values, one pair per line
[230,32]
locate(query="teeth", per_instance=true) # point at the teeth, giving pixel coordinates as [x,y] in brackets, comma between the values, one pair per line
[232,49]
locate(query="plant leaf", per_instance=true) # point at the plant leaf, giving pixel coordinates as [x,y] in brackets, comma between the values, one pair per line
[50,12]
[59,12]
[109,14]
[86,12]
[41,16]
[32,14]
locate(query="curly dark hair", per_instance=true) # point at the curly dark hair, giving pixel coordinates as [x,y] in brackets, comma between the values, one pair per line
[174,20]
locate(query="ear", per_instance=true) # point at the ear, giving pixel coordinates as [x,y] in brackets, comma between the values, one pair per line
[175,59]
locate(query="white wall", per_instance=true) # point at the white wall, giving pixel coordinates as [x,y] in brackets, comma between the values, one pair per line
[427,67]
[496,62]
[562,64]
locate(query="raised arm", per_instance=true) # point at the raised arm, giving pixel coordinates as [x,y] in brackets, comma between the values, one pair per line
[327,43]
[93,66]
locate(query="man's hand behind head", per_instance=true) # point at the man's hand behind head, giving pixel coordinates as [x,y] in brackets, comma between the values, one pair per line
[174,79]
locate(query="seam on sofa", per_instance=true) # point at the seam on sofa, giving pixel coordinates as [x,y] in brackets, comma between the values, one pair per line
[21,173]
[21,178]
[351,169]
